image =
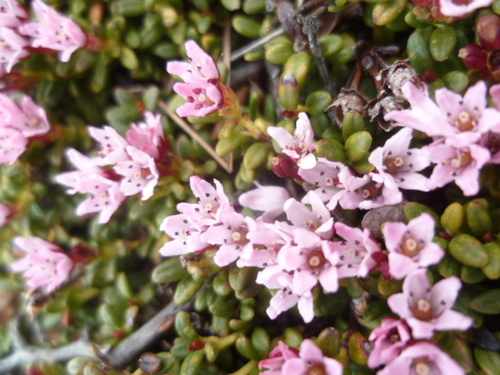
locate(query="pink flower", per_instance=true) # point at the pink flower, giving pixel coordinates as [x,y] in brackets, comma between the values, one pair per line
[12,144]
[269,199]
[230,234]
[201,66]
[461,165]
[203,98]
[300,146]
[427,309]
[105,195]
[356,252]
[54,31]
[456,8]
[410,246]
[148,136]
[12,49]
[11,13]
[397,164]
[366,192]
[112,145]
[202,88]
[139,174]
[278,356]
[422,358]
[461,121]
[495,95]
[44,265]
[323,179]
[5,213]
[388,341]
[30,119]
[284,360]
[317,218]
[185,236]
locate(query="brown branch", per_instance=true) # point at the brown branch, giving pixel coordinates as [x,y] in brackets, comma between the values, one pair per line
[185,126]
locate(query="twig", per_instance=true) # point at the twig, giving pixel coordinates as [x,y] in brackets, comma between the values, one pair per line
[185,126]
[25,354]
[256,44]
[138,342]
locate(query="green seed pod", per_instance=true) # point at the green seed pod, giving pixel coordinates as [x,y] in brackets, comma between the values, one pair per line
[294,77]
[388,11]
[453,217]
[418,50]
[467,250]
[246,26]
[329,341]
[471,275]
[169,271]
[357,351]
[256,155]
[77,364]
[261,341]
[184,327]
[293,337]
[192,363]
[245,347]
[415,209]
[478,217]
[487,302]
[187,289]
[279,53]
[358,145]
[331,149]
[442,42]
[231,4]
[254,6]
[375,310]
[492,269]
[317,102]
[449,266]
[330,44]
[488,360]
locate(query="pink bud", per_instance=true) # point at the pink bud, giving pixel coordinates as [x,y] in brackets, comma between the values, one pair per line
[488,32]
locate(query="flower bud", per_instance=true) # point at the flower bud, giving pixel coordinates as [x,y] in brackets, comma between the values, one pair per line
[473,56]
[488,31]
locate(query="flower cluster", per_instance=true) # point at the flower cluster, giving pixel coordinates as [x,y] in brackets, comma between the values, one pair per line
[403,344]
[202,86]
[309,360]
[124,167]
[18,123]
[44,264]
[51,30]
[465,132]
